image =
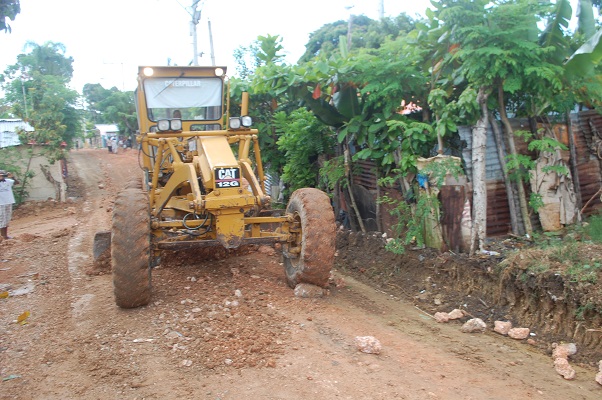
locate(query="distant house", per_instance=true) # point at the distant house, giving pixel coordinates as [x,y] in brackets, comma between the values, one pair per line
[105,132]
[48,180]
[8,131]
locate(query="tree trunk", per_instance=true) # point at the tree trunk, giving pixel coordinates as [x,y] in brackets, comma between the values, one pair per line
[379,222]
[479,185]
[55,183]
[522,197]
[350,190]
[439,140]
[574,171]
[26,174]
[502,157]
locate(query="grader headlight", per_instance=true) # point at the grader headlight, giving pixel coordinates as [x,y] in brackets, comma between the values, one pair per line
[166,125]
[163,125]
[246,121]
[176,124]
[234,123]
[240,122]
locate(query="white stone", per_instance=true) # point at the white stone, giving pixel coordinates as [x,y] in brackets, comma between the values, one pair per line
[307,290]
[441,317]
[563,368]
[563,350]
[502,327]
[519,333]
[456,314]
[368,344]
[475,325]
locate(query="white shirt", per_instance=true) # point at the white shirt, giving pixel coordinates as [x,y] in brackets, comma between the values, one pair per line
[6,192]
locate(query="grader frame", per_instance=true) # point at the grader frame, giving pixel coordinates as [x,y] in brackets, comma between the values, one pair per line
[203,185]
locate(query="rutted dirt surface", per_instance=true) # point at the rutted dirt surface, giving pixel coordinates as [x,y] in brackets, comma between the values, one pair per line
[225,326]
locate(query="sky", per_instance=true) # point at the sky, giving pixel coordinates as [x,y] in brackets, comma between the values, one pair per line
[109,39]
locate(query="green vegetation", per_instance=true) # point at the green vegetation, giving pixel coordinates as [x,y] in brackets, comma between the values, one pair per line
[9,161]
[303,140]
[8,10]
[583,310]
[593,228]
[36,90]
[110,106]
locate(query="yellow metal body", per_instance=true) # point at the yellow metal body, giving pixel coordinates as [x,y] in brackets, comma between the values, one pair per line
[205,181]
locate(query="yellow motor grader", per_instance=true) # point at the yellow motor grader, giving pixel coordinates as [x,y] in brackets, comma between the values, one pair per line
[203,184]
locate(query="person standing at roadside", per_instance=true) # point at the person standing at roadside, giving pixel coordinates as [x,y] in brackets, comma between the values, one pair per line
[7,199]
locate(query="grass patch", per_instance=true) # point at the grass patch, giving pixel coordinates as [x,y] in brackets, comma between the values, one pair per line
[582,310]
[593,229]
[584,272]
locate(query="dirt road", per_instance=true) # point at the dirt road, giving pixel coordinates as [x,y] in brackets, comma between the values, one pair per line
[227,327]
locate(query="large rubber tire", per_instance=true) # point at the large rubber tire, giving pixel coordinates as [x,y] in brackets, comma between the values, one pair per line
[311,208]
[130,249]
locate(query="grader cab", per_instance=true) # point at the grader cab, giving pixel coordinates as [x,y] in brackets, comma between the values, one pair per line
[202,184]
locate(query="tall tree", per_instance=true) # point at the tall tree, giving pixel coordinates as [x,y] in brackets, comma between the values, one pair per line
[111,106]
[8,10]
[365,33]
[36,89]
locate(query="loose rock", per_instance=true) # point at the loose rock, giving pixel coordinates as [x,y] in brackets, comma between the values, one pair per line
[475,325]
[368,344]
[563,368]
[457,314]
[519,333]
[441,317]
[502,327]
[563,350]
[308,291]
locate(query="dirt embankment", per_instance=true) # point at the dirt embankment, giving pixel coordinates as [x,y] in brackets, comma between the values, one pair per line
[554,307]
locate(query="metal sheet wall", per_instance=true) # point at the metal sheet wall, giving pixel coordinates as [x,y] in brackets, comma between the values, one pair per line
[585,126]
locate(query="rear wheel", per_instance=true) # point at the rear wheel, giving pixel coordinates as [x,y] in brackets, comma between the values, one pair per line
[309,258]
[130,249]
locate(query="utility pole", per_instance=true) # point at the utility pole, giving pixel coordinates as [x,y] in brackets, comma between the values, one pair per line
[211,44]
[381,9]
[24,100]
[349,26]
[196,17]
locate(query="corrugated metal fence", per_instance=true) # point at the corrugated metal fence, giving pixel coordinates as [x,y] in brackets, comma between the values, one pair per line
[587,131]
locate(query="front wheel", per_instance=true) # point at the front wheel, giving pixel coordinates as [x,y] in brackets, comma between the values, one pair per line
[310,257]
[130,249]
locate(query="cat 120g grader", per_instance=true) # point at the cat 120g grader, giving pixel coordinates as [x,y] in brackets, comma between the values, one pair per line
[203,184]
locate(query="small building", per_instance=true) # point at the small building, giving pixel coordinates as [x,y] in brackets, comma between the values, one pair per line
[104,133]
[8,131]
[48,180]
